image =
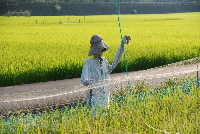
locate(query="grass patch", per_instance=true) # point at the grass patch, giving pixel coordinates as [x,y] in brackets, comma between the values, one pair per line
[170,112]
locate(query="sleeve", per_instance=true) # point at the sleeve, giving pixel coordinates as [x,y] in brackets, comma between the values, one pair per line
[117,58]
[85,73]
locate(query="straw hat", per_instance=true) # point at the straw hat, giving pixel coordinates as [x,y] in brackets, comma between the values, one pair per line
[97,45]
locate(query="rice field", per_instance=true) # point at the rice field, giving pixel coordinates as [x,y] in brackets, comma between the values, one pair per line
[174,111]
[33,52]
[50,50]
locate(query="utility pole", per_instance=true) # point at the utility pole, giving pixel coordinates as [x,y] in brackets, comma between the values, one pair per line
[119,6]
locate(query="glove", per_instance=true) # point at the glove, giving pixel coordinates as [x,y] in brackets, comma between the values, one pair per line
[125,39]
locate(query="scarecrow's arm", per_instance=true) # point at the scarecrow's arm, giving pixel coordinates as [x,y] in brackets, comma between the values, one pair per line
[119,52]
[85,73]
[117,58]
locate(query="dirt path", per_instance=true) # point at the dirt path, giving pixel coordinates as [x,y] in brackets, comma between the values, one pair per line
[38,96]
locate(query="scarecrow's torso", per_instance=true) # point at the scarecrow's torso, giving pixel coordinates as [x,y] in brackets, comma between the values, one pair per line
[99,70]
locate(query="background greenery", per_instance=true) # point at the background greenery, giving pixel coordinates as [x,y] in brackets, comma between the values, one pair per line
[50,50]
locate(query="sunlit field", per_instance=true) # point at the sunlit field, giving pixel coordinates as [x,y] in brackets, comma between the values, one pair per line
[50,50]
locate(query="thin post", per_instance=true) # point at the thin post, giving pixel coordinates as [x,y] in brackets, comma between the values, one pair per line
[119,5]
[44,19]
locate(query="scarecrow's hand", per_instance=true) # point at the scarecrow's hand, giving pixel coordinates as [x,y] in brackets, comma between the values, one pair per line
[126,39]
[85,83]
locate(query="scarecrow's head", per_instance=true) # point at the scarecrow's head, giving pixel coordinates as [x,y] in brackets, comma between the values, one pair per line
[97,45]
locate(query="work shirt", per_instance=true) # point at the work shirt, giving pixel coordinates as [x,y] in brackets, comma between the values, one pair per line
[96,75]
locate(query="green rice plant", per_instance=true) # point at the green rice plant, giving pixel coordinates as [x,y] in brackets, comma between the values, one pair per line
[176,112]
[141,87]
[40,52]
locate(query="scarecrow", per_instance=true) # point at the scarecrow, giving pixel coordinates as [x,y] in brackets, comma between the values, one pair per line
[96,72]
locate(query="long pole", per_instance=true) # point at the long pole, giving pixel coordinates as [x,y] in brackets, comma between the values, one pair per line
[123,47]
